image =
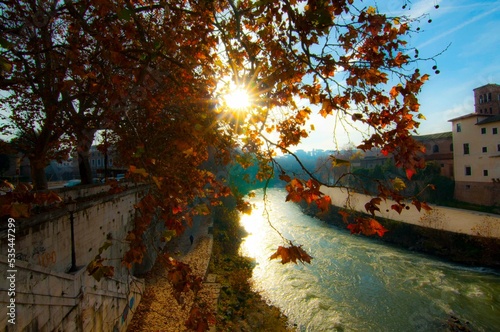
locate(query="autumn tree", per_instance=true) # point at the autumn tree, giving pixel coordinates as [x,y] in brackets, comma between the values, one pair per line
[157,71]
[48,90]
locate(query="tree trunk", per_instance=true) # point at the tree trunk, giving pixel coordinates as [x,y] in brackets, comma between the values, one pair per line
[85,139]
[38,174]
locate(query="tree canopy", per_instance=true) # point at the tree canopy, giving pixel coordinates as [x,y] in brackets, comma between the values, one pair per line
[154,73]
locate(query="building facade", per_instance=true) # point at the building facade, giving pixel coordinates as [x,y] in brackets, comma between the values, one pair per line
[476,153]
[439,149]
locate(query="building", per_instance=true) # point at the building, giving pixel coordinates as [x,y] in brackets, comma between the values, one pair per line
[476,154]
[439,149]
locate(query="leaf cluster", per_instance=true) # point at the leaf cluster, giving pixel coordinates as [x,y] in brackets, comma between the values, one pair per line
[21,201]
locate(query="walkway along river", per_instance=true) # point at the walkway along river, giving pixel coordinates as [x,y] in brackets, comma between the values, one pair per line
[356,284]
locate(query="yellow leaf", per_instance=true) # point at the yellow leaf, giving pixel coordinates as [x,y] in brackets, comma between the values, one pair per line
[157,182]
[371,10]
[336,162]
[189,152]
[398,184]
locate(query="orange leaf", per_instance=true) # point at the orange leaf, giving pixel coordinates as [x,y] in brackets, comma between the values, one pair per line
[291,254]
[140,171]
[19,210]
[376,227]
[344,215]
[324,203]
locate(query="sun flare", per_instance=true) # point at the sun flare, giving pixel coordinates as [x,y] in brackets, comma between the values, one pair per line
[237,98]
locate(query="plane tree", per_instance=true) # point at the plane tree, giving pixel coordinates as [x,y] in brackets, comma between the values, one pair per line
[159,73]
[33,83]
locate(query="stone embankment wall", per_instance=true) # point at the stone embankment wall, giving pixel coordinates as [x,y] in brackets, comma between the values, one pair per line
[459,235]
[53,293]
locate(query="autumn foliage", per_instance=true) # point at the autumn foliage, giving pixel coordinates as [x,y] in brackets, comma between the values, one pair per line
[151,72]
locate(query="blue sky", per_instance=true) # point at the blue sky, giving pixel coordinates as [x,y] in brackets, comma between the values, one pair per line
[469,28]
[472,59]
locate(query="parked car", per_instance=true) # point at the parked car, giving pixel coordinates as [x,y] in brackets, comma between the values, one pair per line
[120,177]
[72,183]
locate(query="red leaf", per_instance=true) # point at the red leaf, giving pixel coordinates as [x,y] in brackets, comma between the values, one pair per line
[285,178]
[371,206]
[397,207]
[176,209]
[367,226]
[354,228]
[425,206]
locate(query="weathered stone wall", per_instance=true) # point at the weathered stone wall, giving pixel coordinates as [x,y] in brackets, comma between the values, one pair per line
[482,193]
[49,294]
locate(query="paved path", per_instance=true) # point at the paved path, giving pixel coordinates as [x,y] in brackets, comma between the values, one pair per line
[444,218]
[158,309]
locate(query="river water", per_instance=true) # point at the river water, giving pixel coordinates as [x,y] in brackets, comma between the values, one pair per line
[357,284]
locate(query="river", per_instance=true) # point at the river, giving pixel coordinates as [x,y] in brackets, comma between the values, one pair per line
[357,284]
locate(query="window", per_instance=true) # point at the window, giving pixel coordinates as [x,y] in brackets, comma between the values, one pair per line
[491,110]
[498,147]
[451,147]
[485,172]
[459,127]
[494,131]
[98,162]
[489,96]
[485,149]
[483,131]
[468,170]
[481,99]
[93,162]
[435,148]
[466,148]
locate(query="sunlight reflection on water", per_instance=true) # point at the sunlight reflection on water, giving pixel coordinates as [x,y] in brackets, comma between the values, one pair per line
[355,284]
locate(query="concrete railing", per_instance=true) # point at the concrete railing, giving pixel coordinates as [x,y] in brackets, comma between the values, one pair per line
[47,281]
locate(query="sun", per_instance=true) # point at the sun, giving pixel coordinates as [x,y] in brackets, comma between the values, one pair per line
[237,98]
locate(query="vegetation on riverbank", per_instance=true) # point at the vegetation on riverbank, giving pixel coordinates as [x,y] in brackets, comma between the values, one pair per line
[240,308]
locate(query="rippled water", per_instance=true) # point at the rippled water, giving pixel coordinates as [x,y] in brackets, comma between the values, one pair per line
[355,284]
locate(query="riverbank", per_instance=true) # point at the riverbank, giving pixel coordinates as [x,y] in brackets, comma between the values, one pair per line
[240,308]
[461,236]
[216,259]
